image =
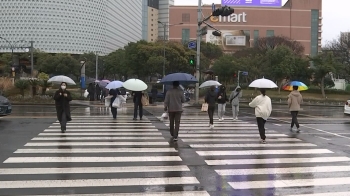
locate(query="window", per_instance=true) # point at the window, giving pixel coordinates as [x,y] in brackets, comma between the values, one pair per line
[256,37]
[185,35]
[270,33]
[314,32]
[185,17]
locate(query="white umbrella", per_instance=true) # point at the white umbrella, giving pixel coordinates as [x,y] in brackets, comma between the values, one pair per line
[114,85]
[209,83]
[263,83]
[135,85]
[61,78]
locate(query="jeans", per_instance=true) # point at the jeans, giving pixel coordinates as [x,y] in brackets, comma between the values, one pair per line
[294,119]
[261,125]
[221,110]
[211,110]
[235,109]
[174,118]
[138,106]
[114,112]
[63,121]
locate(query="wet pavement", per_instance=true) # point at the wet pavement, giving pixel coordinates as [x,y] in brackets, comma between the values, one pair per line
[102,156]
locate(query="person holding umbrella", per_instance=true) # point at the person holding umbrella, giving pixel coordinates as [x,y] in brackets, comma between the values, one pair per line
[210,99]
[294,101]
[62,98]
[263,109]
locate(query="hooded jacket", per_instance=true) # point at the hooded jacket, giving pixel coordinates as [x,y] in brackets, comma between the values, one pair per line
[262,105]
[222,93]
[234,98]
[211,98]
[294,101]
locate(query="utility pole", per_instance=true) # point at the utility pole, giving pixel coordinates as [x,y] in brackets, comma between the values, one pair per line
[164,39]
[32,58]
[96,65]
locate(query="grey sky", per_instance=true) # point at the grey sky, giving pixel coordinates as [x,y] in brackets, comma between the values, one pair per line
[335,13]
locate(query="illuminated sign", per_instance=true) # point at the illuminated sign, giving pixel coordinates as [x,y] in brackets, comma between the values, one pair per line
[232,18]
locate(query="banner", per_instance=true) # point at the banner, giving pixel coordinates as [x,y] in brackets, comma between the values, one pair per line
[252,3]
[230,39]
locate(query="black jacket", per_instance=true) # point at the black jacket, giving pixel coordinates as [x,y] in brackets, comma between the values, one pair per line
[211,98]
[137,96]
[62,104]
[223,95]
[114,94]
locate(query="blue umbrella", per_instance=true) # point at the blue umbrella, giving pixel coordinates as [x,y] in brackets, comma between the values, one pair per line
[183,78]
[114,85]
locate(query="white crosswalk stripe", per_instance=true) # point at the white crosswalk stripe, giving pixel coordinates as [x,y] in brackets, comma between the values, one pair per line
[234,150]
[122,156]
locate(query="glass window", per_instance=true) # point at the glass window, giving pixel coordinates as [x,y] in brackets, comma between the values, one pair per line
[256,37]
[185,35]
[270,33]
[186,17]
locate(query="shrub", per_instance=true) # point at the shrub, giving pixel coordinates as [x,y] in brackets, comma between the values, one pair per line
[5,84]
[22,85]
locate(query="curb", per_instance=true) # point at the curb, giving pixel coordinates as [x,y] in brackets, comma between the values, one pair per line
[273,103]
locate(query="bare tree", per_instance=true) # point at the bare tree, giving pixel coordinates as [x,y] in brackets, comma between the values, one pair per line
[266,43]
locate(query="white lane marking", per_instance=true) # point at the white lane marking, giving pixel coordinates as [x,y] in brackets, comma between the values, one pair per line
[102,126]
[90,159]
[217,125]
[95,138]
[66,143]
[90,134]
[227,131]
[104,123]
[261,152]
[325,194]
[179,193]
[97,182]
[229,135]
[239,139]
[103,130]
[91,170]
[323,138]
[287,170]
[290,183]
[277,161]
[95,150]
[250,145]
[278,125]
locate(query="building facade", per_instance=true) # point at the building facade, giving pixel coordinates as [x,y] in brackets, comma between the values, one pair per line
[164,15]
[150,15]
[66,26]
[300,20]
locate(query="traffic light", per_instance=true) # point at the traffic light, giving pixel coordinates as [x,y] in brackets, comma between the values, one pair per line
[216,33]
[223,11]
[234,75]
[192,60]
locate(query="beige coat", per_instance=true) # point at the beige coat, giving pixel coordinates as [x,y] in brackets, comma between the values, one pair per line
[294,101]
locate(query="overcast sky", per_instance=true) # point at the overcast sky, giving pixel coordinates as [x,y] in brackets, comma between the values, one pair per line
[336,16]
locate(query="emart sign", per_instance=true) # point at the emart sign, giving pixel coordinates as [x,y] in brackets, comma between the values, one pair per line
[232,18]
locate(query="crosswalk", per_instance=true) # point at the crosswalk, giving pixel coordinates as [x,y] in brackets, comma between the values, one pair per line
[99,156]
[285,166]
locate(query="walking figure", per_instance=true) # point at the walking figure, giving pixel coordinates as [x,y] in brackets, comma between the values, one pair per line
[294,101]
[222,99]
[62,98]
[210,99]
[234,100]
[263,108]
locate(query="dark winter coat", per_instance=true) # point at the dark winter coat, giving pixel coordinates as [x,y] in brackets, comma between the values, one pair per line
[222,93]
[137,96]
[114,93]
[62,104]
[211,98]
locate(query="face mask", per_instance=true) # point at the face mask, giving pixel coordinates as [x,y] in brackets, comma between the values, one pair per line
[63,87]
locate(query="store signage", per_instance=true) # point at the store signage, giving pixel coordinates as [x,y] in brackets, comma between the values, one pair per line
[252,3]
[232,18]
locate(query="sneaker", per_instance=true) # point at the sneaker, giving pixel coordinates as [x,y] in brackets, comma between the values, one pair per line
[220,119]
[291,129]
[298,130]
[134,119]
[175,139]
[211,126]
[263,141]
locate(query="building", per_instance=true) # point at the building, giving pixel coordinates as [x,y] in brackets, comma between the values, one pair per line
[67,26]
[300,20]
[345,36]
[164,13]
[150,14]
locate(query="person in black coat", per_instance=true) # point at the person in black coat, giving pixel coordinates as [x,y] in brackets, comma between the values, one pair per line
[137,97]
[91,91]
[62,98]
[222,99]
[114,93]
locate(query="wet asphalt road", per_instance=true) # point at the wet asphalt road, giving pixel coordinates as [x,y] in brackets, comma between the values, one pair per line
[95,157]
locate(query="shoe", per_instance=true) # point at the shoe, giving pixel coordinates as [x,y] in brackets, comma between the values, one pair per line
[175,139]
[134,119]
[220,119]
[263,141]
[211,126]
[291,129]
[298,130]
[140,118]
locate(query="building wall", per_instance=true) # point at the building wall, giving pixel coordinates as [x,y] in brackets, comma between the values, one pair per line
[152,24]
[66,26]
[164,10]
[300,20]
[144,19]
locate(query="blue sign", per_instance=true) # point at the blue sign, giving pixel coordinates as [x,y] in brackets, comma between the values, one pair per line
[82,82]
[213,7]
[252,3]
[192,45]
[245,73]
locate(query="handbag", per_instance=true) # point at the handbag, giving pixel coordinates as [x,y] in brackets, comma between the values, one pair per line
[204,107]
[145,100]
[86,94]
[107,101]
[165,116]
[116,103]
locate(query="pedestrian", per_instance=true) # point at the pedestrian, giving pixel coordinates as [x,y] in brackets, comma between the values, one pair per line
[62,98]
[294,101]
[114,93]
[154,92]
[222,99]
[210,99]
[234,100]
[137,99]
[263,108]
[91,91]
[98,92]
[173,101]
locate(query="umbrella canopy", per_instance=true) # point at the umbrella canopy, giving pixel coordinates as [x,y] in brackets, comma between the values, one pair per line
[114,85]
[301,86]
[103,83]
[107,81]
[135,85]
[209,83]
[61,78]
[263,83]
[183,78]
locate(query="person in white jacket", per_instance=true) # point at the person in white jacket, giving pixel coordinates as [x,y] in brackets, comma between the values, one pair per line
[263,108]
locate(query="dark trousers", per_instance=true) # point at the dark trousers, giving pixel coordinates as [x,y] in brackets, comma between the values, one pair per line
[174,118]
[114,112]
[294,119]
[63,121]
[261,125]
[138,106]
[211,110]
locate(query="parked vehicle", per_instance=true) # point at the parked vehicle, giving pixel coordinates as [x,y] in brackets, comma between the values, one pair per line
[160,95]
[5,106]
[347,107]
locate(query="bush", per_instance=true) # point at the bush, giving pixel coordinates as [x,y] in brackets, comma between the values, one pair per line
[22,85]
[43,99]
[347,89]
[5,84]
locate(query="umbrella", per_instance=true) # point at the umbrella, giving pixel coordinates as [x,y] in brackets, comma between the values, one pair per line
[209,83]
[183,78]
[301,86]
[114,85]
[263,83]
[135,85]
[103,83]
[61,78]
[107,81]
